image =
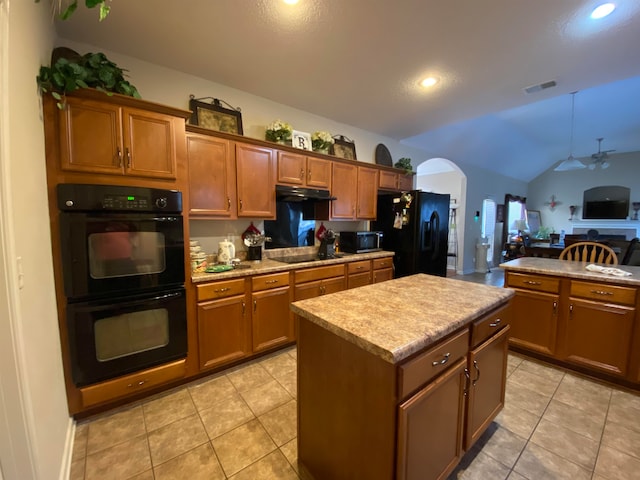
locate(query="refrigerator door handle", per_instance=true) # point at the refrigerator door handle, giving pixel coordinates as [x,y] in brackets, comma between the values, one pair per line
[430,233]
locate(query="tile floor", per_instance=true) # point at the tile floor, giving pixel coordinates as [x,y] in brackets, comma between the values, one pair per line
[241,424]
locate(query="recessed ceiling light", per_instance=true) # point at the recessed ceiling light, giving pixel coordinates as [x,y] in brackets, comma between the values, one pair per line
[291,2]
[429,82]
[602,10]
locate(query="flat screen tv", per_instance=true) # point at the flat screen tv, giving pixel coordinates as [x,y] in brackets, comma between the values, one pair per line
[606,210]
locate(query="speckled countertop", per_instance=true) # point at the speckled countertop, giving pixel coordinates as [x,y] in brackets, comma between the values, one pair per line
[397,318]
[267,265]
[563,268]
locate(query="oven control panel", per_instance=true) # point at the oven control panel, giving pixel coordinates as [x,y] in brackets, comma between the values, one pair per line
[114,198]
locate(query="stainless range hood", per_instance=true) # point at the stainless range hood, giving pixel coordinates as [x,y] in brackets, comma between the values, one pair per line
[300,194]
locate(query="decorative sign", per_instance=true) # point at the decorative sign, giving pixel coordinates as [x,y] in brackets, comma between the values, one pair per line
[301,140]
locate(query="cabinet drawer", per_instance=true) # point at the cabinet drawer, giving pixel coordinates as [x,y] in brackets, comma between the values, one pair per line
[603,292]
[380,263]
[319,273]
[488,325]
[137,382]
[211,291]
[533,282]
[434,361]
[265,282]
[359,267]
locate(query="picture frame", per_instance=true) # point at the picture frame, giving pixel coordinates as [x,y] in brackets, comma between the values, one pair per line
[301,140]
[500,213]
[214,116]
[343,147]
[533,220]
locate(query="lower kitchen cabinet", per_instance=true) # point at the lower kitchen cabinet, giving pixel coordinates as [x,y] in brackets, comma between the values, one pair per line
[382,269]
[271,319]
[358,274]
[313,282]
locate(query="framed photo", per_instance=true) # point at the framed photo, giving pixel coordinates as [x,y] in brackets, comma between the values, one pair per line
[533,220]
[301,140]
[214,116]
[500,213]
[343,148]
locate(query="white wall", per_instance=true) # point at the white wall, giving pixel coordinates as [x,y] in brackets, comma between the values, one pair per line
[568,188]
[33,314]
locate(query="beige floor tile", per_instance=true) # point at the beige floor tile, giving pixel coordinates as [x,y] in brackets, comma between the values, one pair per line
[76,471]
[574,419]
[273,466]
[80,441]
[280,423]
[279,364]
[289,382]
[112,429]
[501,444]
[480,467]
[525,398]
[265,397]
[255,442]
[164,410]
[120,461]
[148,475]
[591,398]
[625,409]
[514,360]
[621,437]
[533,381]
[294,353]
[537,463]
[226,416]
[515,476]
[176,438]
[518,421]
[290,451]
[206,394]
[566,443]
[615,465]
[542,370]
[250,376]
[200,463]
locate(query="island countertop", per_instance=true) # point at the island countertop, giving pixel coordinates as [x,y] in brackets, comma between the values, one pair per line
[577,270]
[397,318]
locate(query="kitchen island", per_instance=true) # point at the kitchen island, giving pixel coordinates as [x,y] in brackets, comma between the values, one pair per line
[398,379]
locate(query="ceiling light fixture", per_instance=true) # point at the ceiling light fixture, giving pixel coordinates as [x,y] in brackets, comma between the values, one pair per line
[429,82]
[603,10]
[570,163]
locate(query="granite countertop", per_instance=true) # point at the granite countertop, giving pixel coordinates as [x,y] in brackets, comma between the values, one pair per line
[266,265]
[565,268]
[397,318]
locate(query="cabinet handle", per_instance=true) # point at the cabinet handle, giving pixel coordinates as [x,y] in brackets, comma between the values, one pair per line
[496,323]
[301,173]
[137,384]
[119,153]
[322,289]
[309,175]
[243,307]
[555,307]
[270,281]
[240,204]
[228,204]
[445,359]
[128,157]
[220,290]
[601,292]
[467,381]
[360,267]
[255,306]
[475,365]
[529,282]
[571,309]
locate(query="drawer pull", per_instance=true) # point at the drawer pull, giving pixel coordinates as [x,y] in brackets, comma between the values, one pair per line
[359,267]
[466,383]
[475,365]
[270,281]
[445,359]
[601,292]
[137,384]
[531,282]
[221,290]
[496,323]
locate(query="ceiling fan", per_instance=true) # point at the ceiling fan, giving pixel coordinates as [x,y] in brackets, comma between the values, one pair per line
[600,157]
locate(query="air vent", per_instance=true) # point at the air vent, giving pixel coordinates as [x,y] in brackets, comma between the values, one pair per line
[541,86]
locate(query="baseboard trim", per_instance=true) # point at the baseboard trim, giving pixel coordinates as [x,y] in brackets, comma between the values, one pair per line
[67,454]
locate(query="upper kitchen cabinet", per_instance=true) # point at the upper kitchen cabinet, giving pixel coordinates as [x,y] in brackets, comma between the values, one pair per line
[119,137]
[295,169]
[354,203]
[212,177]
[395,181]
[255,181]
[367,193]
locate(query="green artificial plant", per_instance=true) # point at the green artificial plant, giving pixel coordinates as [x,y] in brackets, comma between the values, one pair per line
[70,6]
[92,70]
[405,164]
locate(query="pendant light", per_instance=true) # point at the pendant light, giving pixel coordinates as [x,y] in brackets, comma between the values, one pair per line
[570,163]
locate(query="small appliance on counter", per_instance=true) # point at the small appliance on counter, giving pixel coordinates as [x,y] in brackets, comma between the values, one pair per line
[226,252]
[360,242]
[327,245]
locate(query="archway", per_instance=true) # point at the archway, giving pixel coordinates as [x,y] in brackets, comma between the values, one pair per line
[440,175]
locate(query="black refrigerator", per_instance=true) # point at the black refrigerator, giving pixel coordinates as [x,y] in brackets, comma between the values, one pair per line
[415,226]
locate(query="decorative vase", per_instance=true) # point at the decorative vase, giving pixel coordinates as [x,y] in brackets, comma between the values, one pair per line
[325,151]
[281,141]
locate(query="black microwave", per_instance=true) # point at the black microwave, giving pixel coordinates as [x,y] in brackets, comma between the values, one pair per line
[360,242]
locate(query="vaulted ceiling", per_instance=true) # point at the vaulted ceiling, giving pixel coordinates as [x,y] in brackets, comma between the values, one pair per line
[359,62]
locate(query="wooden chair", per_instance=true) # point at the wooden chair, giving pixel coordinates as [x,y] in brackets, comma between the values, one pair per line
[592,252]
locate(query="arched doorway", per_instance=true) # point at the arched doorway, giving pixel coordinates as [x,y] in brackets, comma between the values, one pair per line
[440,175]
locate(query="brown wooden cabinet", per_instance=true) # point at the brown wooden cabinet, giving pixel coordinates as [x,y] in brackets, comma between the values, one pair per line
[388,180]
[271,318]
[107,138]
[405,182]
[296,169]
[316,281]
[367,203]
[255,181]
[212,177]
[358,273]
[344,178]
[382,269]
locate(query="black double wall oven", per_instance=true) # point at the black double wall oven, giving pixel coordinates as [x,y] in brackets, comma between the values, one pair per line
[122,251]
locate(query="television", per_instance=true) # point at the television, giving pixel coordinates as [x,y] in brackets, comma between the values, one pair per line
[606,203]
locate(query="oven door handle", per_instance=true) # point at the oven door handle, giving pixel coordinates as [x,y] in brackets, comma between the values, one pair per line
[109,305]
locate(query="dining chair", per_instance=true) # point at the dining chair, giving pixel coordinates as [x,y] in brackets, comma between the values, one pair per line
[633,244]
[589,252]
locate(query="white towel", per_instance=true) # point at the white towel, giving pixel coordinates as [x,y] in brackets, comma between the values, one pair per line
[608,270]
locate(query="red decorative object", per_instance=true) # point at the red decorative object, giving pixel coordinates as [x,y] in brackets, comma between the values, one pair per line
[322,231]
[250,229]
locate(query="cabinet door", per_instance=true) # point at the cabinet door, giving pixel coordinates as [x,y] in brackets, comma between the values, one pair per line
[292,168]
[271,318]
[405,182]
[316,288]
[149,144]
[224,331]
[91,137]
[367,193]
[212,175]
[344,179]
[382,275]
[598,336]
[319,173]
[388,180]
[534,321]
[359,279]
[430,428]
[255,181]
[488,375]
